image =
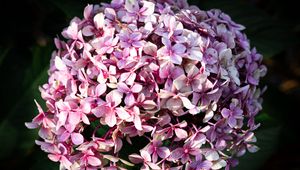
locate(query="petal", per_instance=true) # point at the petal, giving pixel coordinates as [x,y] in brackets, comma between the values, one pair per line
[74,118]
[145,155]
[180,133]
[209,114]
[101,110]
[187,103]
[219,164]
[94,161]
[64,136]
[136,36]
[163,152]
[195,54]
[110,118]
[225,112]
[135,158]
[122,113]
[114,97]
[31,125]
[77,138]
[99,20]
[137,122]
[85,119]
[129,99]
[211,155]
[176,59]
[88,31]
[149,104]
[59,64]
[150,49]
[149,8]
[179,49]
[180,82]
[136,88]
[174,104]
[232,122]
[177,154]
[88,11]
[54,158]
[100,89]
[153,166]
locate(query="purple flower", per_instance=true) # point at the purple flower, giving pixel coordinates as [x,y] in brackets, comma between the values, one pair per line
[181,79]
[183,154]
[233,114]
[171,53]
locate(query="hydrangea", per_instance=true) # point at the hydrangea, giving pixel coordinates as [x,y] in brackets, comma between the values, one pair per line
[182,80]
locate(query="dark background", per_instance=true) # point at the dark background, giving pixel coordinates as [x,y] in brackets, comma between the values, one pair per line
[26,42]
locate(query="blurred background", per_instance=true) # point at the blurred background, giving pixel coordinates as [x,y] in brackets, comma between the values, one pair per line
[26,42]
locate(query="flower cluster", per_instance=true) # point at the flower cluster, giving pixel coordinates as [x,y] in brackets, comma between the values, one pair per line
[180,80]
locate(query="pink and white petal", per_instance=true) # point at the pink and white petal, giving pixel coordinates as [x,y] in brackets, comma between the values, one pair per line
[149,104]
[59,64]
[129,99]
[178,49]
[85,119]
[74,118]
[54,157]
[211,155]
[148,8]
[65,162]
[163,152]
[136,159]
[88,10]
[181,133]
[88,31]
[180,82]
[130,79]
[153,166]
[110,118]
[31,125]
[100,89]
[154,157]
[145,155]
[208,115]
[150,49]
[114,97]
[77,138]
[137,122]
[101,110]
[94,161]
[62,117]
[174,104]
[187,103]
[123,88]
[64,136]
[122,113]
[176,59]
[110,13]
[166,42]
[118,145]
[136,88]
[99,20]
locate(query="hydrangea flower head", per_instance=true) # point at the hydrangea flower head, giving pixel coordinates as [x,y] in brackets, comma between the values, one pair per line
[181,79]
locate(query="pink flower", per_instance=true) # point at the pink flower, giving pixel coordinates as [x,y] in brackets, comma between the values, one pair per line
[181,80]
[171,53]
